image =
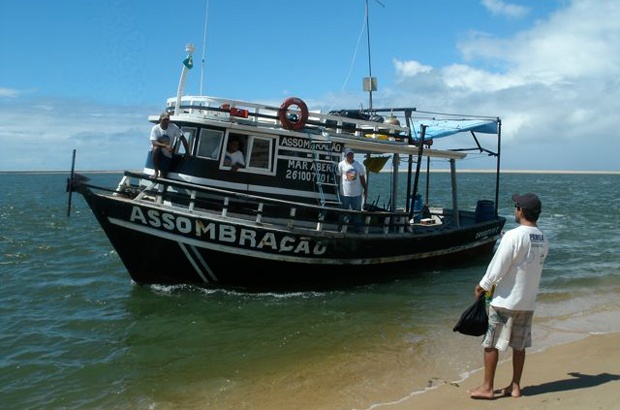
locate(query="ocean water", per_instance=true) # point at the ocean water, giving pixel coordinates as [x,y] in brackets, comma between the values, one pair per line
[76,333]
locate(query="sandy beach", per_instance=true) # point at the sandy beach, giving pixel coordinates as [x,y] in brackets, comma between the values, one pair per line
[584,374]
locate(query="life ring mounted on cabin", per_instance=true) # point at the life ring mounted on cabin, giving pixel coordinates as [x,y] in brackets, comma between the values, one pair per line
[289,123]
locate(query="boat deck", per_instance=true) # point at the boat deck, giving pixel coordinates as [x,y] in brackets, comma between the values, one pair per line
[182,197]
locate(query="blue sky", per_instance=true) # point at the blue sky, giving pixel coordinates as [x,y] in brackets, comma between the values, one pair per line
[85,74]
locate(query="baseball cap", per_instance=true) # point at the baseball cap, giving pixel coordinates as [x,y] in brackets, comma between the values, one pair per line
[348,151]
[527,201]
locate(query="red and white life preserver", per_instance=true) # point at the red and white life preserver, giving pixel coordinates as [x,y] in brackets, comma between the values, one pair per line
[283,114]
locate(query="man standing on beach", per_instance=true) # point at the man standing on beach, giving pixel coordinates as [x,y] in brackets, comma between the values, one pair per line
[512,277]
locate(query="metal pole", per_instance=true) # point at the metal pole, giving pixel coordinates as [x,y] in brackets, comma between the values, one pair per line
[204,48]
[70,184]
[455,203]
[497,179]
[189,48]
[417,169]
[369,64]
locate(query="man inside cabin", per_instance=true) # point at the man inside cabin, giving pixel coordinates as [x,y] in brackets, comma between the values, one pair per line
[164,137]
[234,157]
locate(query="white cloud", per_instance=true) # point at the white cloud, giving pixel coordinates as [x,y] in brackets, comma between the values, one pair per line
[410,68]
[476,80]
[553,85]
[499,7]
[580,41]
[41,135]
[10,92]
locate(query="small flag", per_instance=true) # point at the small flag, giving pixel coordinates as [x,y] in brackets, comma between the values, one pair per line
[188,62]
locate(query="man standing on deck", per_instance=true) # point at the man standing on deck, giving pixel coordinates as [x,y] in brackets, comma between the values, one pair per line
[352,184]
[512,279]
[164,136]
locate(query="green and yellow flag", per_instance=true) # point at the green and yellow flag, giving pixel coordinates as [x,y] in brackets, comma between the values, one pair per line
[188,62]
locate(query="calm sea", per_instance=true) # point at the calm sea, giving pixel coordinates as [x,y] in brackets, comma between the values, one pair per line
[76,333]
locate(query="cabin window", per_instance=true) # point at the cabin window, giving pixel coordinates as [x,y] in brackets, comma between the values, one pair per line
[259,153]
[209,143]
[190,136]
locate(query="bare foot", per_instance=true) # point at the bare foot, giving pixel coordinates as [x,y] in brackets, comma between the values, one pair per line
[513,390]
[482,394]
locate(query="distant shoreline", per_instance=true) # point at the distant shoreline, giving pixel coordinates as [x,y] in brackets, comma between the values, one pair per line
[525,171]
[63,172]
[461,171]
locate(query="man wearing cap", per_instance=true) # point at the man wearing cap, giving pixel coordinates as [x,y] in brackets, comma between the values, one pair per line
[164,136]
[512,279]
[352,184]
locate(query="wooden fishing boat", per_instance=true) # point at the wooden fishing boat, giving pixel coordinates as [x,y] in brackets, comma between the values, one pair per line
[277,222]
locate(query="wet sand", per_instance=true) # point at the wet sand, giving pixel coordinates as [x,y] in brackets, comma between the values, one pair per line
[584,374]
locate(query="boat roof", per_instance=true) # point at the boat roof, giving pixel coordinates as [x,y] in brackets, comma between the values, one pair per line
[370,135]
[447,127]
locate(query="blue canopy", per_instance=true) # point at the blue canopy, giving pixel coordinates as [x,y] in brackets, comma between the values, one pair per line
[445,128]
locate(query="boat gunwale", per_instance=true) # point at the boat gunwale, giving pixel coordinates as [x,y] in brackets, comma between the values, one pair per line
[376,222]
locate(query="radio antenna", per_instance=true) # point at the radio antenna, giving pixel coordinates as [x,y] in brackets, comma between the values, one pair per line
[204,48]
[370,83]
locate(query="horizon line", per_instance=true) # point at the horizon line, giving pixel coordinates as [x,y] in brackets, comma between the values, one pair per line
[507,171]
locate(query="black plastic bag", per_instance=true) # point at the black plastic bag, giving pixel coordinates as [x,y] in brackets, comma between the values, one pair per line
[474,321]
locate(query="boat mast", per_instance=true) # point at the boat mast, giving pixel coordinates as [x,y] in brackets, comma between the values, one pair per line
[204,48]
[370,82]
[187,65]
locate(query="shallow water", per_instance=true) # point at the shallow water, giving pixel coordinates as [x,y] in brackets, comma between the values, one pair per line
[77,333]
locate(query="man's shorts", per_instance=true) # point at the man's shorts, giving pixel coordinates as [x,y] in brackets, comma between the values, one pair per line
[509,328]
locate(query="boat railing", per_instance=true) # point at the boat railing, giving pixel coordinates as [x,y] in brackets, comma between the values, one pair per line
[224,109]
[197,199]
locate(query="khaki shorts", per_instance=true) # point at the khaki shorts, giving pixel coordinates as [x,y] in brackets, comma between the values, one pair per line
[509,328]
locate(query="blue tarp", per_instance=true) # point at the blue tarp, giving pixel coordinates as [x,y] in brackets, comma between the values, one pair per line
[445,128]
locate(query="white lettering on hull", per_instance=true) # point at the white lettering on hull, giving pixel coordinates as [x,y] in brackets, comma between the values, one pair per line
[224,233]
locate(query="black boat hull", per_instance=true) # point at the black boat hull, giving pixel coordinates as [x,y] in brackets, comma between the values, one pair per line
[164,245]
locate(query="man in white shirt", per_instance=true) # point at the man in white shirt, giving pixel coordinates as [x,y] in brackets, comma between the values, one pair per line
[512,279]
[164,136]
[352,183]
[234,157]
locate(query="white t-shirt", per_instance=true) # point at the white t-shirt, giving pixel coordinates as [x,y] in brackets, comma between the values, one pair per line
[351,174]
[516,268]
[232,158]
[171,133]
